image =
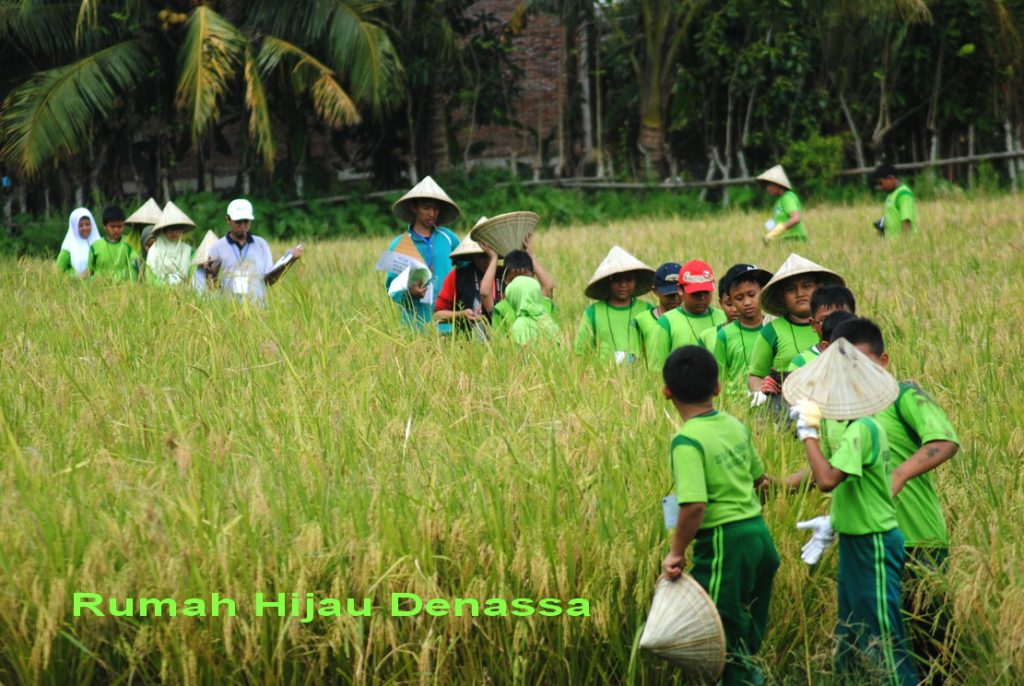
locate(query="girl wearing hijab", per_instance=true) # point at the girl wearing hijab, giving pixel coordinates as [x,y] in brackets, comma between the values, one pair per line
[532,318]
[169,261]
[74,251]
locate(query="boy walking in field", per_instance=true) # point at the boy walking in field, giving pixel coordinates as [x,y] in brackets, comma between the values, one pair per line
[921,438]
[850,457]
[684,324]
[788,296]
[110,257]
[900,212]
[606,326]
[824,302]
[716,470]
[734,342]
[787,222]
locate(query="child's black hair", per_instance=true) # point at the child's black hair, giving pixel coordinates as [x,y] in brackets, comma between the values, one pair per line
[883,171]
[518,259]
[833,296]
[691,373]
[861,331]
[832,321]
[739,281]
[113,214]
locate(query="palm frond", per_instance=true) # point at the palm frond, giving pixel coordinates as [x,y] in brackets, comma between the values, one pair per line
[88,18]
[43,29]
[49,117]
[259,111]
[210,59]
[331,102]
[362,51]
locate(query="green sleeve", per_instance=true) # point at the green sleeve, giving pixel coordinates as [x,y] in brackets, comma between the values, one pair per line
[133,262]
[688,471]
[790,203]
[64,263]
[905,206]
[585,336]
[763,353]
[756,465]
[796,363]
[657,347]
[707,339]
[720,351]
[91,265]
[854,448]
[920,412]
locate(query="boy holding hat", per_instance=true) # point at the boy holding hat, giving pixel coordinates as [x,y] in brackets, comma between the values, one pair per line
[788,297]
[666,290]
[240,261]
[716,469]
[921,438]
[426,209]
[110,257]
[787,217]
[517,263]
[734,342]
[606,326]
[848,451]
[900,213]
[684,324]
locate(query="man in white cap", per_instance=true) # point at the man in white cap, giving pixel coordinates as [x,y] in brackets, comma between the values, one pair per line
[240,260]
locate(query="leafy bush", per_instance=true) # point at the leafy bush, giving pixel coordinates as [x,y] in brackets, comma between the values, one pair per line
[813,164]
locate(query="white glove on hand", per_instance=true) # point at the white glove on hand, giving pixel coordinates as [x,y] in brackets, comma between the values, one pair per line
[808,419]
[821,538]
[758,398]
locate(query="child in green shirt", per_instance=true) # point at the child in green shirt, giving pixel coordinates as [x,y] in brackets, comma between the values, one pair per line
[666,290]
[900,213]
[850,457]
[788,296]
[606,326]
[517,263]
[824,302]
[716,469]
[734,342]
[787,217]
[110,257]
[921,438]
[684,324]
[826,330]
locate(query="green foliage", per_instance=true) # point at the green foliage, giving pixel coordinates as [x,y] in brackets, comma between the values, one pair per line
[813,164]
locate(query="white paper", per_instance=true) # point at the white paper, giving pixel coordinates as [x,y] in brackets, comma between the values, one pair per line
[769,225]
[396,263]
[401,282]
[670,510]
[622,357]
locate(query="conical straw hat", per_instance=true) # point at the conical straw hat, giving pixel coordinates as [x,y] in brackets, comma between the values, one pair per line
[427,189]
[149,213]
[172,216]
[203,251]
[776,175]
[506,232]
[684,628]
[466,248]
[618,261]
[843,382]
[771,296]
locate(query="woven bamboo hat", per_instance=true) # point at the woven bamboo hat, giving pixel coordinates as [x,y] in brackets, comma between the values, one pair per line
[427,189]
[203,251]
[795,265]
[506,232]
[776,175]
[149,213]
[684,628]
[173,217]
[843,382]
[618,261]
[467,248]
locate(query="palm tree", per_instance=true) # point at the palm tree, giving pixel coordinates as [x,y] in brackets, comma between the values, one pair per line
[227,55]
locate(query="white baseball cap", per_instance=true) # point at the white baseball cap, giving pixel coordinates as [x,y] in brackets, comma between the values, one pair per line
[240,209]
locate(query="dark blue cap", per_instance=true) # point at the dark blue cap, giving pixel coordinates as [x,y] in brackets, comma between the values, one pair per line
[666,279]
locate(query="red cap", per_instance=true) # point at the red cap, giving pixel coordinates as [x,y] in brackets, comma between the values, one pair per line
[696,276]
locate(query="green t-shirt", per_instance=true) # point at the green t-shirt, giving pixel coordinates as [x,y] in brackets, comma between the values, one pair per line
[803,358]
[862,503]
[609,330]
[779,341]
[785,206]
[504,316]
[733,347]
[677,328]
[117,261]
[910,422]
[64,265]
[899,207]
[646,325]
[713,461]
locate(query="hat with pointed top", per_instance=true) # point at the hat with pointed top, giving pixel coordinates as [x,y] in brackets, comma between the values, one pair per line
[172,216]
[149,213]
[427,189]
[618,261]
[772,301]
[684,627]
[776,175]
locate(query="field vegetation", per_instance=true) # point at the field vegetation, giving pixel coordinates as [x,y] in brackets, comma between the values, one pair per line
[157,445]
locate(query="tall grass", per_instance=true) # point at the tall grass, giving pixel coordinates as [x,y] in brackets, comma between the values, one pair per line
[156,445]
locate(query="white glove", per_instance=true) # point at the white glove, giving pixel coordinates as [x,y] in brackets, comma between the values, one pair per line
[757,399]
[822,537]
[808,419]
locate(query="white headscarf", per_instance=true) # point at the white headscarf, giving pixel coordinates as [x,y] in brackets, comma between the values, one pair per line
[77,246]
